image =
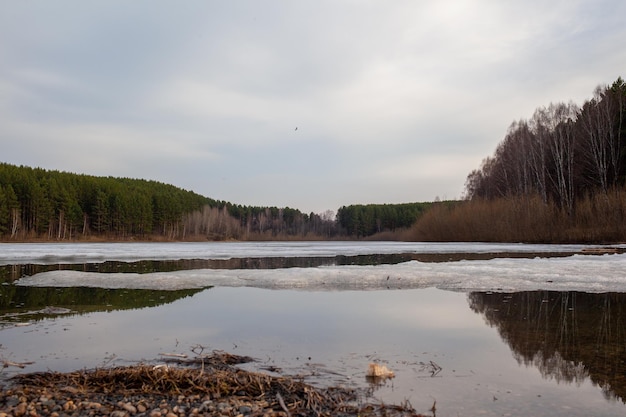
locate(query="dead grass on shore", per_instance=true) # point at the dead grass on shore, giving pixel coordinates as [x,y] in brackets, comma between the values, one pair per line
[217,378]
[597,219]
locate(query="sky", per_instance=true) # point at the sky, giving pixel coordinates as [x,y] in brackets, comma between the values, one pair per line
[304,104]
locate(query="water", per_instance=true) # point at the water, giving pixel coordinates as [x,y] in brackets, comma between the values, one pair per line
[549,340]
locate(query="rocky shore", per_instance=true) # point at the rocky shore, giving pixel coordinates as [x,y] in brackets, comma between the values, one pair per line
[213,386]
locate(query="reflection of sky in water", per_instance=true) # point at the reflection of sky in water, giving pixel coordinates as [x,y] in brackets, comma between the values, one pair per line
[340,331]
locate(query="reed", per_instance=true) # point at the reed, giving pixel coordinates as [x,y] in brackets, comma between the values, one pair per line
[597,218]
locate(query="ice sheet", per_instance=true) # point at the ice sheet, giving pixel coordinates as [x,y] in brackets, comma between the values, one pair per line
[54,253]
[591,273]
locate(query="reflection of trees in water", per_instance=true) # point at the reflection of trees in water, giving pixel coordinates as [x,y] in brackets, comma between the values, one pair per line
[568,336]
[10,273]
[25,304]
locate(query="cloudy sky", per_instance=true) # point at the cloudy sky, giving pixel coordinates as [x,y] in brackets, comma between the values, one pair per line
[393,101]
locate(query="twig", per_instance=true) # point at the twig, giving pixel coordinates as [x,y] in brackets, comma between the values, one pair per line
[433,409]
[282,404]
[174,355]
[435,368]
[22,365]
[200,354]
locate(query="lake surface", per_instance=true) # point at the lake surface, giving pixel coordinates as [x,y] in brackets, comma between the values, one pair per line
[482,329]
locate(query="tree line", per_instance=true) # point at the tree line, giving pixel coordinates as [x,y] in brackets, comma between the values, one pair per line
[55,205]
[562,153]
[39,203]
[559,176]
[35,202]
[362,220]
[235,221]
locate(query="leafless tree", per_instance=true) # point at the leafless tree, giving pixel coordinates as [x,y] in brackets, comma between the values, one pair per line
[601,119]
[560,120]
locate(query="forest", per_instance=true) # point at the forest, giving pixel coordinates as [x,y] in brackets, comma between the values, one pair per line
[40,204]
[362,220]
[51,205]
[559,176]
[556,177]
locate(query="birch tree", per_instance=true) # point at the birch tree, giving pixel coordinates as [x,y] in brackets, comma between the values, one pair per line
[561,144]
[602,120]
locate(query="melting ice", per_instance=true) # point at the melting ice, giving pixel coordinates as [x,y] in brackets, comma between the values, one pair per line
[590,273]
[50,253]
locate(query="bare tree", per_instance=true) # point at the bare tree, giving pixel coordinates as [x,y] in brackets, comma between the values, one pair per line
[515,155]
[600,119]
[561,140]
[540,128]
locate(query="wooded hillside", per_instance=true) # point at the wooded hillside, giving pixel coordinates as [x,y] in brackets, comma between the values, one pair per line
[37,203]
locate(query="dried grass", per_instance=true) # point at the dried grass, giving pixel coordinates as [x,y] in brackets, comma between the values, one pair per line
[217,379]
[600,218]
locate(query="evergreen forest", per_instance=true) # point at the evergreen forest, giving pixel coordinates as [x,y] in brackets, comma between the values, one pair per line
[51,205]
[41,204]
[362,220]
[38,203]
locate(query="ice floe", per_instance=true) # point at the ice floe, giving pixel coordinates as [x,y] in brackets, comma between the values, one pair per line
[590,273]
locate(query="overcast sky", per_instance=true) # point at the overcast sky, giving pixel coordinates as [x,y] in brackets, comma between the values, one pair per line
[393,101]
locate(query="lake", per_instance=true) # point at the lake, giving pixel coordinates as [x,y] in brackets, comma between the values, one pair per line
[483,329]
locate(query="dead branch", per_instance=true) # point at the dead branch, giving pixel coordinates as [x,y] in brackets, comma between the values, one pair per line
[22,365]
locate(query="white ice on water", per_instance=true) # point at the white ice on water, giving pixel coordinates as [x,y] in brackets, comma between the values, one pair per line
[52,253]
[590,273]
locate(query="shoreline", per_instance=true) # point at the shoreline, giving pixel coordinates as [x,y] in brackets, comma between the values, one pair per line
[310,238]
[210,385]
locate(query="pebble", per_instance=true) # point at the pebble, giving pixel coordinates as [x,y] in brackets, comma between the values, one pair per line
[69,406]
[20,410]
[12,400]
[92,405]
[130,408]
[61,402]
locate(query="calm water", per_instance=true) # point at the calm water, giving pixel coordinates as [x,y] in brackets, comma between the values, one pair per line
[543,352]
